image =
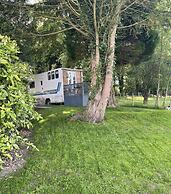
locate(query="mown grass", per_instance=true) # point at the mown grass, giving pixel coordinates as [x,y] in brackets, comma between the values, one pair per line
[130,152]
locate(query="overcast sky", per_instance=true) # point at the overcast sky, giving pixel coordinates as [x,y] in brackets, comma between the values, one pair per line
[33,1]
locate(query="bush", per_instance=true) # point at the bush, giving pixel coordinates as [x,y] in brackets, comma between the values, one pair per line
[16,105]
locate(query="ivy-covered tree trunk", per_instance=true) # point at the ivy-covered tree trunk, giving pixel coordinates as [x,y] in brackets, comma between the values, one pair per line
[96,108]
[97,20]
[95,61]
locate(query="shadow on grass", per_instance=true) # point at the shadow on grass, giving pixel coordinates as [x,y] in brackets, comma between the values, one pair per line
[143,107]
[136,108]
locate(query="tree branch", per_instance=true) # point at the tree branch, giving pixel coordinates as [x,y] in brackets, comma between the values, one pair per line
[52,33]
[131,25]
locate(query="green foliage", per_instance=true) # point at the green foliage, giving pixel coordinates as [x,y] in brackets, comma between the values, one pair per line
[136,47]
[142,78]
[39,47]
[77,48]
[16,105]
[46,49]
[85,65]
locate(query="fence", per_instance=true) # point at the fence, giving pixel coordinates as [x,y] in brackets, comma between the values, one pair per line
[76,94]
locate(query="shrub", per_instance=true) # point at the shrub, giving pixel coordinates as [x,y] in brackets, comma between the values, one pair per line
[16,105]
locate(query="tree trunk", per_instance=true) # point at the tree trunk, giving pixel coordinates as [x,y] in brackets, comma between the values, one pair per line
[96,108]
[121,85]
[95,60]
[166,94]
[112,100]
[158,90]
[132,99]
[145,101]
[159,77]
[95,56]
[145,95]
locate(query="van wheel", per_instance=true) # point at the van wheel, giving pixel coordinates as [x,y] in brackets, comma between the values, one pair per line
[47,102]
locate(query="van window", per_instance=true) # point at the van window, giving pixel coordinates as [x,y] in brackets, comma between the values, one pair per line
[59,86]
[74,81]
[53,75]
[69,78]
[32,85]
[49,76]
[56,74]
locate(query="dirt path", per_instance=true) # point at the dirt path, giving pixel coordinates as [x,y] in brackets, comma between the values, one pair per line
[16,163]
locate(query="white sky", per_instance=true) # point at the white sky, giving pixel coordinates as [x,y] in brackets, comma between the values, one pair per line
[33,1]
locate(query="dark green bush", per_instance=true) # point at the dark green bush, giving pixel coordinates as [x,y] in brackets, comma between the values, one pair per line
[16,105]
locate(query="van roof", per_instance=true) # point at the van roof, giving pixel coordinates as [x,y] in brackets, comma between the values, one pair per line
[69,69]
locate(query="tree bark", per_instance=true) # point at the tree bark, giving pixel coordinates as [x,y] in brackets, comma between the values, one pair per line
[132,99]
[95,60]
[158,90]
[112,100]
[96,108]
[145,95]
[121,85]
[145,101]
[159,77]
[95,56]
[166,94]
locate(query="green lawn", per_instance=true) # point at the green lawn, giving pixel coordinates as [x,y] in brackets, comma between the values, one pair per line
[130,152]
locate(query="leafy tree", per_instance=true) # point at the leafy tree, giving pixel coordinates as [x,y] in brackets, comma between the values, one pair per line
[77,48]
[153,75]
[16,105]
[47,50]
[163,58]
[137,49]
[26,26]
[99,20]
[143,78]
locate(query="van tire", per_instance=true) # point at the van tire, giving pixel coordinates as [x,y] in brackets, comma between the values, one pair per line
[47,101]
